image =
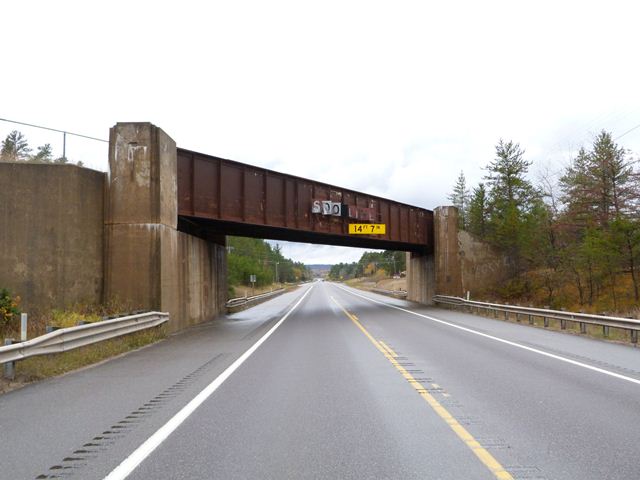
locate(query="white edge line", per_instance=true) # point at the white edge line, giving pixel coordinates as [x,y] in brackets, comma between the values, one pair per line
[123,470]
[501,340]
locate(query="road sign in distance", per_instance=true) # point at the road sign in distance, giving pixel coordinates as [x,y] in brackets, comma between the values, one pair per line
[367,228]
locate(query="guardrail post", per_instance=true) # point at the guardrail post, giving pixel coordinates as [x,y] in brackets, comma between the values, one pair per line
[605,331]
[9,367]
[583,327]
[545,320]
[23,327]
[634,336]
[530,319]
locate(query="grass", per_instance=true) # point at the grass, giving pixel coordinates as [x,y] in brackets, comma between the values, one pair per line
[37,368]
[64,318]
[44,366]
[39,319]
[236,291]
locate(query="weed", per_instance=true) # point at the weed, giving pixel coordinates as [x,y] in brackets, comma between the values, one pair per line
[36,368]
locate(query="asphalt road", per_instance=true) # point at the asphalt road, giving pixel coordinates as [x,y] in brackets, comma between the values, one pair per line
[348,385]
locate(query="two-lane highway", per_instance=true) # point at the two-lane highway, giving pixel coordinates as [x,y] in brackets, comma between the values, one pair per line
[331,382]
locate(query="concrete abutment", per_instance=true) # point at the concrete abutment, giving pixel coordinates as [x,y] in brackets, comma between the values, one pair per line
[441,272]
[149,264]
[420,278]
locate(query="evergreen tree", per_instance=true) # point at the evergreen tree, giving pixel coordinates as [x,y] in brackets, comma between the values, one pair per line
[460,199]
[511,198]
[601,194]
[15,148]
[600,184]
[477,215]
[44,154]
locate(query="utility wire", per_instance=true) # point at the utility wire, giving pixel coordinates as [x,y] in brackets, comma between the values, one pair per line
[628,131]
[54,130]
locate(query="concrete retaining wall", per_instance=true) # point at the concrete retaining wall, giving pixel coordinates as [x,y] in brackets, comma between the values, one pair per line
[51,234]
[482,266]
[202,279]
[71,235]
[463,262]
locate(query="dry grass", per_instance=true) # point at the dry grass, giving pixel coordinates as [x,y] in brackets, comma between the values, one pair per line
[70,317]
[37,368]
[44,366]
[566,295]
[386,283]
[243,290]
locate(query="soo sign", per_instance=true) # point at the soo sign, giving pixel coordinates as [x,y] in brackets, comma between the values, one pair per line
[326,207]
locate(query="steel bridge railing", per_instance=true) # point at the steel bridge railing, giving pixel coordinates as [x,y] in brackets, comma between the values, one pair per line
[530,313]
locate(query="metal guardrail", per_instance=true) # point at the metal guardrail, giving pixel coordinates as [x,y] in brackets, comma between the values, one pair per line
[70,338]
[391,293]
[241,301]
[583,319]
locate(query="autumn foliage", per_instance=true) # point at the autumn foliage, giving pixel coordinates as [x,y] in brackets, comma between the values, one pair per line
[572,240]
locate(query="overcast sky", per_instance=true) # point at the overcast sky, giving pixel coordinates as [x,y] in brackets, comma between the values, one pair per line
[390,98]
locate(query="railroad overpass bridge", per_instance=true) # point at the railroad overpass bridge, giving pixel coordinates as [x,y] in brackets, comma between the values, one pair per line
[168,211]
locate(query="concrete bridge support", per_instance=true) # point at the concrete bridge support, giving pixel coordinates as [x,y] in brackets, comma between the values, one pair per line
[441,272]
[420,278]
[149,264]
[448,270]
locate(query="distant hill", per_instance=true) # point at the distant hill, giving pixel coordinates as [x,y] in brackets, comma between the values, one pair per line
[319,270]
[319,267]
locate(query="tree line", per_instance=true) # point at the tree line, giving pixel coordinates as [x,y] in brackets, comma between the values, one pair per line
[390,262]
[571,238]
[252,256]
[15,148]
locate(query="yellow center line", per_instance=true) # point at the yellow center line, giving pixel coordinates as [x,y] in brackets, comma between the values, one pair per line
[483,455]
[388,349]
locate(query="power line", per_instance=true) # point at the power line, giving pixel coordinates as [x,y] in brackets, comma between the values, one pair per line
[54,130]
[628,131]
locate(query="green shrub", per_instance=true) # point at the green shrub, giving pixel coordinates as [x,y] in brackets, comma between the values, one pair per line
[9,310]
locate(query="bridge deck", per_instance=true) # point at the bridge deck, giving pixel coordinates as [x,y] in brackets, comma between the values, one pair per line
[222,196]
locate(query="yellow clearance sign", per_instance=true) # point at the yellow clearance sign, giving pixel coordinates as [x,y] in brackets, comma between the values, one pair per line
[367,228]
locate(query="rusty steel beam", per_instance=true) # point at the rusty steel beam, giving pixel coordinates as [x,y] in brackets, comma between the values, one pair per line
[216,195]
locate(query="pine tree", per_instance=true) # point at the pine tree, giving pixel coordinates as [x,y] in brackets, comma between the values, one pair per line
[577,187]
[477,214]
[511,198]
[601,194]
[44,155]
[600,184]
[15,148]
[460,199]
[507,177]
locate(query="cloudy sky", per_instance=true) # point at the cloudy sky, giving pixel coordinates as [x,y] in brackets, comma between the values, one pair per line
[391,98]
